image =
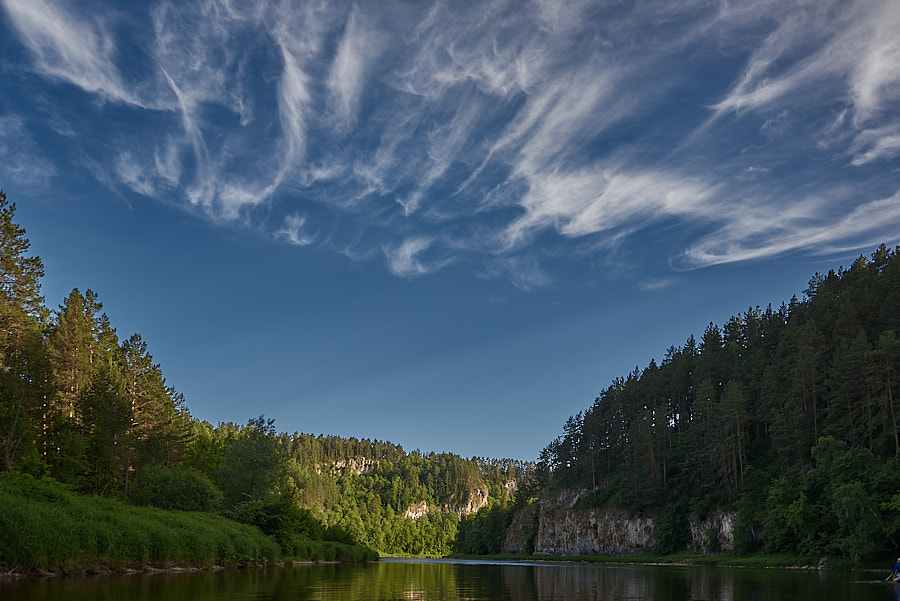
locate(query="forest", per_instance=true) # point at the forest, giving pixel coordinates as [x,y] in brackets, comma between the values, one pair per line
[788,416]
[85,412]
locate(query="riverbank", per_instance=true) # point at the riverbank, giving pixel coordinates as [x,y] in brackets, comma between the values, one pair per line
[48,530]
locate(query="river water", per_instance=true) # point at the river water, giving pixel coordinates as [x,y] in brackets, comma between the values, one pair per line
[445,580]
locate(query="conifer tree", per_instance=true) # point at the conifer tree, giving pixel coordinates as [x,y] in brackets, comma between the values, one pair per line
[23,363]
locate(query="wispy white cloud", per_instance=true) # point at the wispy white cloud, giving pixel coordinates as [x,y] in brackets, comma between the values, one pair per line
[132,174]
[69,47]
[876,144]
[405,259]
[820,224]
[358,48]
[587,202]
[21,161]
[432,132]
[292,231]
[523,272]
[847,49]
[654,284]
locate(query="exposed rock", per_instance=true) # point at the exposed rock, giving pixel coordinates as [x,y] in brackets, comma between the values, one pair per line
[713,534]
[358,466]
[521,530]
[471,502]
[417,510]
[563,530]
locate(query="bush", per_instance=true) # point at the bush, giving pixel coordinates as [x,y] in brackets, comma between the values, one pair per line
[672,533]
[181,488]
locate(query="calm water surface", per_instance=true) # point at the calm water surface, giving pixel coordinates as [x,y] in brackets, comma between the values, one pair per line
[414,580]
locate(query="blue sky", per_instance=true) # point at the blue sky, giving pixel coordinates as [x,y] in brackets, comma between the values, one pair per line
[444,224]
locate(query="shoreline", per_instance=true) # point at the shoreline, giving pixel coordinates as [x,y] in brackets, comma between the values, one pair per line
[688,560]
[117,569]
[778,562]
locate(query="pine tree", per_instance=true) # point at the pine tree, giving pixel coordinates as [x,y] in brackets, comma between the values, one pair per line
[74,347]
[23,363]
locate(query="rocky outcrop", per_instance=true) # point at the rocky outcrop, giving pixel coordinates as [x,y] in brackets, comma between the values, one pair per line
[471,502]
[713,534]
[418,510]
[563,530]
[520,534]
[358,466]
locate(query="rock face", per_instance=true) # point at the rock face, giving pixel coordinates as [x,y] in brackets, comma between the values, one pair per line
[520,534]
[713,534]
[358,466]
[417,510]
[563,530]
[471,502]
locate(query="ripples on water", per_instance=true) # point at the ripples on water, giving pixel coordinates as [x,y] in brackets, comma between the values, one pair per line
[440,580]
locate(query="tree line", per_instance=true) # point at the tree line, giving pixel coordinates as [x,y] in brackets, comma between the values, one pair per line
[93,411]
[789,415]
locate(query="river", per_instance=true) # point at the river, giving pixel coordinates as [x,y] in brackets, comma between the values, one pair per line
[446,580]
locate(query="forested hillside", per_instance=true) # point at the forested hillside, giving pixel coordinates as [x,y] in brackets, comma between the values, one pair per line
[789,415]
[93,411]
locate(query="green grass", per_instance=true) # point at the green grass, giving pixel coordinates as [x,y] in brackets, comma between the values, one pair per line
[44,527]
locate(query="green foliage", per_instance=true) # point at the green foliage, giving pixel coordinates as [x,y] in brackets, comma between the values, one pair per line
[44,526]
[366,489]
[298,533]
[835,507]
[751,510]
[804,396]
[181,488]
[483,533]
[253,463]
[789,416]
[672,533]
[23,361]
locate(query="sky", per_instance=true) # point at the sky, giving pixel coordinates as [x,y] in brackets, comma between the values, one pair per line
[445,224]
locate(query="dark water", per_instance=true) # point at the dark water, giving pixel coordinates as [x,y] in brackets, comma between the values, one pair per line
[469,581]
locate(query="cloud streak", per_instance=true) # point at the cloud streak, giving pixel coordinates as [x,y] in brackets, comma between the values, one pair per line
[72,49]
[434,133]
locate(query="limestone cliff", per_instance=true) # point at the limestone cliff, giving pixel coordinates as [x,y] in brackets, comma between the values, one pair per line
[417,510]
[713,534]
[521,531]
[358,466]
[471,502]
[563,530]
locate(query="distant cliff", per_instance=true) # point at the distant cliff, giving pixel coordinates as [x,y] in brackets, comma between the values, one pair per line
[560,529]
[471,502]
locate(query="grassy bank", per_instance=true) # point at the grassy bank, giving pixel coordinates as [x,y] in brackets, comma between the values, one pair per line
[44,527]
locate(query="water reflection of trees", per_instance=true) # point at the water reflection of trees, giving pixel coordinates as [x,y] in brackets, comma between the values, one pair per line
[445,581]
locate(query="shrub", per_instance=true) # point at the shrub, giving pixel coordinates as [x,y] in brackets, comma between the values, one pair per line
[181,488]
